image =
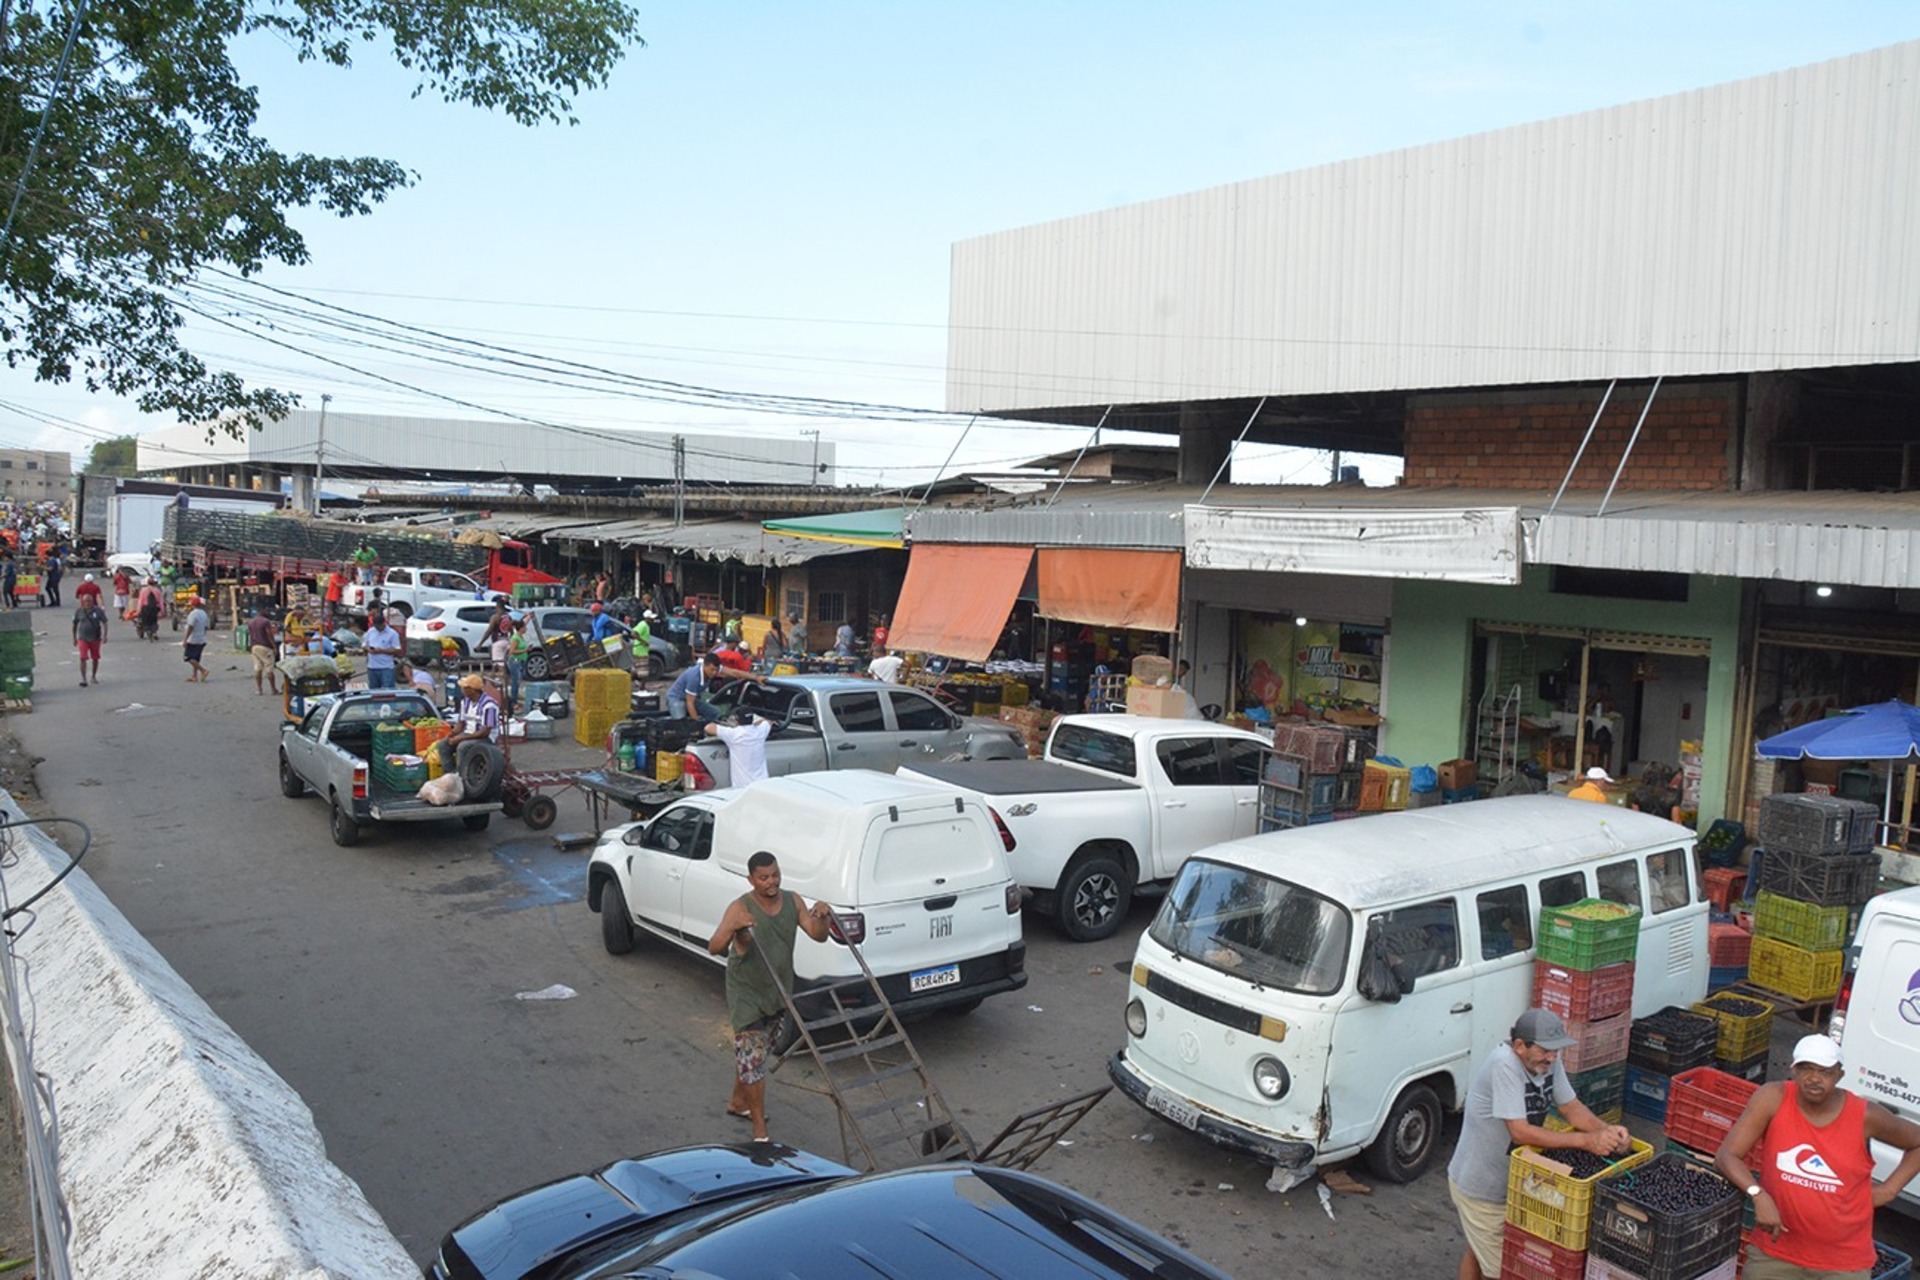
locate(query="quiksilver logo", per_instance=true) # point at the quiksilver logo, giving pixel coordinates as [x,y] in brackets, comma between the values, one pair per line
[1803,1165]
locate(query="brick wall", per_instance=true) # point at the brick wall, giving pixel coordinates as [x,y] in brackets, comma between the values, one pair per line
[1525,440]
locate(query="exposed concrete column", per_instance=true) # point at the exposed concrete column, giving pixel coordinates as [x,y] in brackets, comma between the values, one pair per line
[302,491]
[1206,437]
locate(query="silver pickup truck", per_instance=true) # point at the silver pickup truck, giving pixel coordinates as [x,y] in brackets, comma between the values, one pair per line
[330,752]
[847,722]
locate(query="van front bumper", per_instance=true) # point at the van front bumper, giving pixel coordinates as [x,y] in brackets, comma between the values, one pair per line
[1211,1125]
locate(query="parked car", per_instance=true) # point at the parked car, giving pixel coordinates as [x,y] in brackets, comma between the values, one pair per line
[918,881]
[464,624]
[1877,1020]
[405,590]
[847,722]
[329,751]
[771,1212]
[1116,802]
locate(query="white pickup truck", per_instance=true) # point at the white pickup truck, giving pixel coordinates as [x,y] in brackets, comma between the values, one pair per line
[405,589]
[1116,804]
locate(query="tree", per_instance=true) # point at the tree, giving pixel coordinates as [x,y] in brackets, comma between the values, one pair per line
[146,168]
[116,457]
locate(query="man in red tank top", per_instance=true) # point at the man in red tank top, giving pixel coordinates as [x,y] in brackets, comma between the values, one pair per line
[1814,1193]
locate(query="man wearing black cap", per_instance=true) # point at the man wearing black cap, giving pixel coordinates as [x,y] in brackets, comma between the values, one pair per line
[1507,1106]
[1814,1193]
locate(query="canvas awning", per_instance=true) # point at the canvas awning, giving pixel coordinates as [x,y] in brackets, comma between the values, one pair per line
[957,598]
[882,528]
[1136,590]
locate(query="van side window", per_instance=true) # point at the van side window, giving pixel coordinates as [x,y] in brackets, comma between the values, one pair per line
[1505,926]
[1620,882]
[1563,890]
[1667,879]
[1421,939]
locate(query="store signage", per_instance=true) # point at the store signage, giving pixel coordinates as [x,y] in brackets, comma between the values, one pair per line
[1475,544]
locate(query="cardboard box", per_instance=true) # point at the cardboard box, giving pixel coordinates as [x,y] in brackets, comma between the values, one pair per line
[1155,700]
[1456,775]
[1151,668]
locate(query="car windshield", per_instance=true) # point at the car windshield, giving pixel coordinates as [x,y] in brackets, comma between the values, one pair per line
[1094,748]
[1255,927]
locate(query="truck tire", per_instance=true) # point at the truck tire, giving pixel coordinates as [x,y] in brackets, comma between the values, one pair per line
[1095,893]
[480,766]
[345,831]
[1407,1141]
[616,926]
[290,784]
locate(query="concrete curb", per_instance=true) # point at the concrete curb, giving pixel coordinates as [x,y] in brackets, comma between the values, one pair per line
[182,1154]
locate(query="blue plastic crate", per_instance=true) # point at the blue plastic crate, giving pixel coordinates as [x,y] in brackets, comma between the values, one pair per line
[1647,1093]
[1459,795]
[1725,976]
[1890,1263]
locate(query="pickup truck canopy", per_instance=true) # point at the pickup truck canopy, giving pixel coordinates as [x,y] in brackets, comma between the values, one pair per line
[1011,777]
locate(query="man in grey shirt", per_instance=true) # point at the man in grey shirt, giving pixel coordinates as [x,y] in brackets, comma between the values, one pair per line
[1507,1106]
[194,642]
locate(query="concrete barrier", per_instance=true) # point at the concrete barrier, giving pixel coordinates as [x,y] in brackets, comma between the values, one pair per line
[181,1153]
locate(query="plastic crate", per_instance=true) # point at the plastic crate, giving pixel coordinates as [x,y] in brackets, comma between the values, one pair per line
[1601,1089]
[1646,1093]
[1284,770]
[1825,880]
[1588,934]
[1728,946]
[1583,995]
[1673,1040]
[1722,843]
[1752,1070]
[1813,824]
[1346,791]
[1599,1268]
[1324,748]
[1742,1030]
[1795,972]
[1703,1105]
[1596,1044]
[1720,977]
[1663,1244]
[1804,924]
[1724,887]
[1525,1256]
[1708,1161]
[1544,1199]
[1384,786]
[1888,1264]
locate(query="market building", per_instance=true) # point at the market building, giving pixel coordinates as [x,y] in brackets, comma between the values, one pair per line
[1653,373]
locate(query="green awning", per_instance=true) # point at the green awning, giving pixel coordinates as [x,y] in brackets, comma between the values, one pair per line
[883,528]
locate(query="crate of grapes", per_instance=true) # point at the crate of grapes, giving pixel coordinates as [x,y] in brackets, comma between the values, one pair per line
[1804,924]
[1668,1219]
[1550,1193]
[1588,934]
[1703,1105]
[1888,1264]
[1673,1040]
[1746,1024]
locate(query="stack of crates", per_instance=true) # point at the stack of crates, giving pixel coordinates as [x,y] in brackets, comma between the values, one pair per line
[1385,785]
[392,765]
[1745,1033]
[16,655]
[1589,937]
[1668,1219]
[1304,776]
[1550,1196]
[1728,947]
[1663,1045]
[601,698]
[1817,865]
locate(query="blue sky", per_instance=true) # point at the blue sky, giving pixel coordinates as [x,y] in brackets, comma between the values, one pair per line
[766,197]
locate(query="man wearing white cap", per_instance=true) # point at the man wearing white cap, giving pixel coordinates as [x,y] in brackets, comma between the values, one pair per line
[1507,1105]
[1813,1192]
[1594,788]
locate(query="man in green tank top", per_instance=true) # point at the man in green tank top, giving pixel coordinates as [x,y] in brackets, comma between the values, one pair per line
[766,919]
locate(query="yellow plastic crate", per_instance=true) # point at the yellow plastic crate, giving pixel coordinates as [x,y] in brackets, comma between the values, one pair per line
[667,766]
[1802,924]
[1794,971]
[603,689]
[1545,1200]
[1741,1035]
[590,727]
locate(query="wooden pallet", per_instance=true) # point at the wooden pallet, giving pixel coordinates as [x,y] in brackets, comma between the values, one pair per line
[16,706]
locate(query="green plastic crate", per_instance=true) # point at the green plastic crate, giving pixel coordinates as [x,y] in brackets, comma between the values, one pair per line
[1588,934]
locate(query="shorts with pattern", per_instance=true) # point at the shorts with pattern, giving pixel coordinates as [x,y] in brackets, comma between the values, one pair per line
[750,1049]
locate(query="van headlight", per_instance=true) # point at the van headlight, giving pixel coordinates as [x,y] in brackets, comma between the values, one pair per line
[1270,1077]
[1136,1018]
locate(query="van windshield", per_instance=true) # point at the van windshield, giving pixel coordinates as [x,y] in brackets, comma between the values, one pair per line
[1255,927]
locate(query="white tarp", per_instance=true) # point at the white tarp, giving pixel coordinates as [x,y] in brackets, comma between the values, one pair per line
[1469,544]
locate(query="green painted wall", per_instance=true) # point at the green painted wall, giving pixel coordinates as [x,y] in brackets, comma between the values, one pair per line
[1428,678]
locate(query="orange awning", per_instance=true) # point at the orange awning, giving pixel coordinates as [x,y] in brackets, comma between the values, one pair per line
[957,598]
[1136,590]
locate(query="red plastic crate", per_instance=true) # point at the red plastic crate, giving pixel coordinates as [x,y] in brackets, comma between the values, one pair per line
[1728,946]
[1583,995]
[1704,1105]
[1524,1256]
[1600,1044]
[1724,887]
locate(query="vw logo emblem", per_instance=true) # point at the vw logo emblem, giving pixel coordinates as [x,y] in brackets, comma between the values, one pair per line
[1189,1047]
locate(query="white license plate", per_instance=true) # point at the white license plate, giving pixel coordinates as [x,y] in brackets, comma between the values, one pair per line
[927,979]
[1174,1108]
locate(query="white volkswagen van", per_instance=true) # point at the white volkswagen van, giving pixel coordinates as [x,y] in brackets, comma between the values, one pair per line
[1246,1021]
[1878,1021]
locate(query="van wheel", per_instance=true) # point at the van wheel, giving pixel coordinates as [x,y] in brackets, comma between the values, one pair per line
[616,926]
[1406,1143]
[1094,896]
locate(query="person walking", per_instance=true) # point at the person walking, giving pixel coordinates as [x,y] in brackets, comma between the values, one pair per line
[10,581]
[518,646]
[1814,1193]
[50,583]
[1507,1105]
[262,641]
[146,611]
[193,642]
[122,590]
[89,633]
[330,606]
[383,646]
[757,933]
[88,591]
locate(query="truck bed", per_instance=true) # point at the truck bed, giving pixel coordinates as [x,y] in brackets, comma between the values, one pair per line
[1012,777]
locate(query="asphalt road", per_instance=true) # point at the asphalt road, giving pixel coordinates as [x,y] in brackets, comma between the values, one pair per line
[383,982]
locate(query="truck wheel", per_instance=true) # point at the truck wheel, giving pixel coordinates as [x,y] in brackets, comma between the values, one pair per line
[1406,1143]
[1094,896]
[345,831]
[475,821]
[541,811]
[616,926]
[480,766]
[290,785]
[538,668]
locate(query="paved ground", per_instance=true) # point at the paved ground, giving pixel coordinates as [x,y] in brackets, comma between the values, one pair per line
[384,982]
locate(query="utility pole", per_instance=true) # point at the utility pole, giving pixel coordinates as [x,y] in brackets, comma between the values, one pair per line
[813,476]
[679,481]
[320,455]
[1335,477]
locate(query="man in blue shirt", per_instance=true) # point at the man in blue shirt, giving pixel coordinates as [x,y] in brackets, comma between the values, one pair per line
[604,623]
[382,644]
[686,696]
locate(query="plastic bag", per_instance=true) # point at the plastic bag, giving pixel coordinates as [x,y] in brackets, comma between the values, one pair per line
[1377,979]
[443,790]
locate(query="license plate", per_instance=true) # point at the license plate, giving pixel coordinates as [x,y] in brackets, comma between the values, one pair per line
[927,979]
[1174,1108]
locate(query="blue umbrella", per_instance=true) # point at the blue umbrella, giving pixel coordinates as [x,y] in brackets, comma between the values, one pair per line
[1883,731]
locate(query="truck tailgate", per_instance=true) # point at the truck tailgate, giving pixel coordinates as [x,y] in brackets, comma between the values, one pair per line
[1014,777]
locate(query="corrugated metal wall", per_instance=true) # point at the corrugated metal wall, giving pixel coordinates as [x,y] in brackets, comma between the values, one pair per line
[1771,223]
